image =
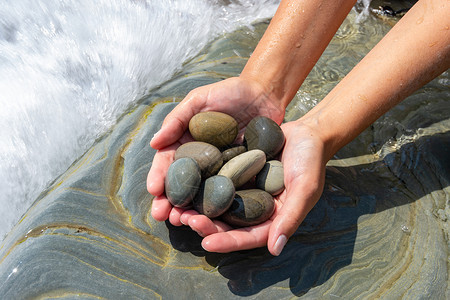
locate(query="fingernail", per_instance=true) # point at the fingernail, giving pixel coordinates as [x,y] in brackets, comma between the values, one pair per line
[156,134]
[279,244]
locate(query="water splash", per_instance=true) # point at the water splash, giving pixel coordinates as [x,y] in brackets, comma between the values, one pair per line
[69,69]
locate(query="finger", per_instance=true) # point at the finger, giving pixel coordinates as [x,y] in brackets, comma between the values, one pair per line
[174,216]
[238,239]
[187,214]
[299,201]
[161,208]
[176,122]
[204,226]
[160,165]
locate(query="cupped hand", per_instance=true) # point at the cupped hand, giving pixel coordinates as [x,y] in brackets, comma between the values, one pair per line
[304,172]
[241,98]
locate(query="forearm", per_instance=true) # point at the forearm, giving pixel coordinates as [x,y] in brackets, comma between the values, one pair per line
[295,39]
[414,52]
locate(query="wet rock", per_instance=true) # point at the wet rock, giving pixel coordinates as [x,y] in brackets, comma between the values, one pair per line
[232,152]
[271,177]
[244,167]
[249,208]
[215,196]
[208,157]
[264,134]
[182,181]
[215,128]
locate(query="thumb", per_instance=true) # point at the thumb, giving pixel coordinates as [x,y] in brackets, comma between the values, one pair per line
[174,126]
[299,201]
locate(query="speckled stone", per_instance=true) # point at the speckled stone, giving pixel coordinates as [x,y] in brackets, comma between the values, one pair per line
[208,157]
[249,208]
[244,167]
[264,134]
[215,196]
[232,152]
[182,181]
[271,177]
[215,128]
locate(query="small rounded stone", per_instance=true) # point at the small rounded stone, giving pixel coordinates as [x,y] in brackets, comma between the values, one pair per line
[271,177]
[249,208]
[182,181]
[228,154]
[216,128]
[264,134]
[208,157]
[215,196]
[244,167]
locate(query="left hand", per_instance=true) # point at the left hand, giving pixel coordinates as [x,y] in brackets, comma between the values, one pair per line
[304,172]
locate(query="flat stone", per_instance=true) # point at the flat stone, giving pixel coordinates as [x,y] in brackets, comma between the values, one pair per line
[232,152]
[215,196]
[213,127]
[182,181]
[264,134]
[244,167]
[271,177]
[249,208]
[208,157]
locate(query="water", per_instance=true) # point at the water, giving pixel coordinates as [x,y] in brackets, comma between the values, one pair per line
[69,69]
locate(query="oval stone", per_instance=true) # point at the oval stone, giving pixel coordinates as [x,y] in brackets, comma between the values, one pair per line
[249,208]
[182,181]
[208,157]
[271,177]
[215,196]
[232,152]
[244,167]
[264,134]
[216,128]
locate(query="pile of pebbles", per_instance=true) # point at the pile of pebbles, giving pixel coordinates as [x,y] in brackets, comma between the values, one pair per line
[208,173]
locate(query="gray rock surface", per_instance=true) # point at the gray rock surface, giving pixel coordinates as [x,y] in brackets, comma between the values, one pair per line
[379,231]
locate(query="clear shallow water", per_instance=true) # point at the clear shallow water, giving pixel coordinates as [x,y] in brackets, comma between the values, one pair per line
[69,69]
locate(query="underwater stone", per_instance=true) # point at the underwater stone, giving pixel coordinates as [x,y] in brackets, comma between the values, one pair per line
[249,208]
[244,167]
[271,177]
[208,157]
[215,128]
[182,181]
[264,134]
[232,152]
[215,196]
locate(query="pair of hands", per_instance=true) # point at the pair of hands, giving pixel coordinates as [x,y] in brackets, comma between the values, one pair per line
[302,157]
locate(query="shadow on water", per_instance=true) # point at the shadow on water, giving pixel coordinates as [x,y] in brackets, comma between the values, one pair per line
[325,242]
